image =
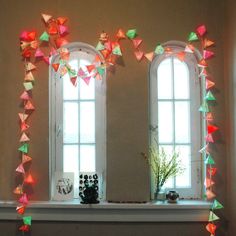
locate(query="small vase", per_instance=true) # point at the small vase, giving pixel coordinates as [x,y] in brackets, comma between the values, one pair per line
[160,194]
[172,196]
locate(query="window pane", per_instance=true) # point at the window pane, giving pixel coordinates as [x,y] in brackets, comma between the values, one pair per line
[184,180]
[164,80]
[70,92]
[87,91]
[182,122]
[181,80]
[165,122]
[87,158]
[70,122]
[87,122]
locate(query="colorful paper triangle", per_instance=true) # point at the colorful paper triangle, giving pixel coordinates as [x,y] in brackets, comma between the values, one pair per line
[24,138]
[213,217]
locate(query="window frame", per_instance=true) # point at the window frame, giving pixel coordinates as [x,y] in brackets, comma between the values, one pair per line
[197,166]
[100,115]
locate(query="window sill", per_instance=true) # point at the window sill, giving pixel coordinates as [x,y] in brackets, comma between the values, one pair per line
[183,211]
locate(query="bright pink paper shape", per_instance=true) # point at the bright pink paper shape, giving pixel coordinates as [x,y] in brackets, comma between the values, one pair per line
[201,30]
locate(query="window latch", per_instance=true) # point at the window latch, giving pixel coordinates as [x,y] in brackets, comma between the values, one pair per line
[58,130]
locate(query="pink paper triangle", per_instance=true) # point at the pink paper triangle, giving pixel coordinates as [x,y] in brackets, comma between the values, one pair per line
[87,79]
[38,53]
[137,42]
[23,199]
[209,138]
[201,30]
[23,116]
[24,138]
[139,55]
[20,169]
[25,96]
[207,54]
[63,30]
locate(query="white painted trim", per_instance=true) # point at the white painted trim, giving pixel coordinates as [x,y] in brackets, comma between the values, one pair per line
[183,211]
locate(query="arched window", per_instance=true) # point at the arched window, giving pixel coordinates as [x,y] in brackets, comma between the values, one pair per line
[175,123]
[78,116]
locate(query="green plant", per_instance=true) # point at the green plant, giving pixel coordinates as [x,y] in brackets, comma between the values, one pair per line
[163,165]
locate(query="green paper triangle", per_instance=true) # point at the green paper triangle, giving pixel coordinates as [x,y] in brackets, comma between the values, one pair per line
[216,205]
[100,70]
[27,220]
[159,49]
[204,107]
[213,217]
[44,36]
[71,72]
[117,51]
[24,148]
[100,46]
[210,96]
[132,33]
[192,37]
[209,160]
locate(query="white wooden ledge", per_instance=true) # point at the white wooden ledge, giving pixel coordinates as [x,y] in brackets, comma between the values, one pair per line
[183,211]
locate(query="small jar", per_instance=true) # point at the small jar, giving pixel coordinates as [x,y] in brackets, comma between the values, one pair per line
[172,196]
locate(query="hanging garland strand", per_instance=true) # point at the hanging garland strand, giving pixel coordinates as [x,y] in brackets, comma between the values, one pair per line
[54,38]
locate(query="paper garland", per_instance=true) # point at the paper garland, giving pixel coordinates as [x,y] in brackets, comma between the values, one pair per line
[53,36]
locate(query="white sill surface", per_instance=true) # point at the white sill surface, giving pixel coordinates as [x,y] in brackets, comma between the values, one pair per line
[183,211]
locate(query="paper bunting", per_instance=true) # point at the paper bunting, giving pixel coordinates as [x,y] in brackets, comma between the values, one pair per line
[210,195]
[204,149]
[189,48]
[100,46]
[24,138]
[209,138]
[109,45]
[131,34]
[34,44]
[23,116]
[20,210]
[18,190]
[25,159]
[137,42]
[120,34]
[24,126]
[149,56]
[90,68]
[61,42]
[24,228]
[29,180]
[29,77]
[46,60]
[63,30]
[117,51]
[52,30]
[203,72]
[211,171]
[23,199]
[105,53]
[207,54]
[64,54]
[211,129]
[24,148]
[61,20]
[159,49]
[87,79]
[216,205]
[202,63]
[29,106]
[104,37]
[209,96]
[28,86]
[29,66]
[55,66]
[209,84]
[27,220]
[73,80]
[31,35]
[139,55]
[20,169]
[209,160]
[208,182]
[212,217]
[100,70]
[201,30]
[209,116]
[208,43]
[38,53]
[26,53]
[44,37]
[211,228]
[192,37]
[204,107]
[181,56]
[24,35]
[46,17]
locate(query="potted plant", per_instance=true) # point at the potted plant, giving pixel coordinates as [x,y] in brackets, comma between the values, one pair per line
[163,165]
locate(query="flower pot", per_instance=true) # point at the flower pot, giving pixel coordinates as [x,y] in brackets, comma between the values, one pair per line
[172,196]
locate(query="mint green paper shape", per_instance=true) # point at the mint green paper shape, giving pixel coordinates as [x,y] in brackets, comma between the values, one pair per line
[100,70]
[209,160]
[24,148]
[192,37]
[204,107]
[44,37]
[210,96]
[117,51]
[100,46]
[132,33]
[213,217]
[28,86]
[159,49]
[27,220]
[216,205]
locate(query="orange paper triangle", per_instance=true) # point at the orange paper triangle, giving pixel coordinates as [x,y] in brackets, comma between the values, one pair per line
[46,18]
[29,106]
[149,56]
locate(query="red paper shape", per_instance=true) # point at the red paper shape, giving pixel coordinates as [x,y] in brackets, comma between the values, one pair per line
[55,66]
[23,199]
[207,54]
[208,182]
[74,80]
[211,129]
[120,34]
[60,42]
[31,35]
[211,171]
[24,228]
[46,60]
[105,53]
[52,29]
[202,63]
[211,228]
[61,20]
[108,45]
[139,55]
[137,42]
[201,30]
[29,179]
[25,96]
[90,68]
[181,56]
[24,126]
[24,35]
[20,210]
[29,106]
[26,53]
